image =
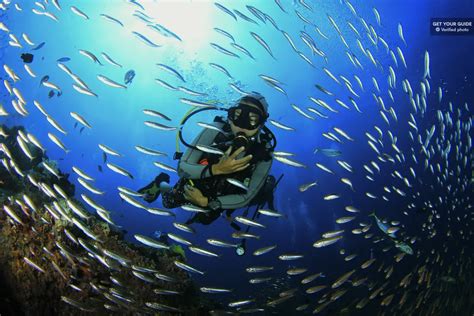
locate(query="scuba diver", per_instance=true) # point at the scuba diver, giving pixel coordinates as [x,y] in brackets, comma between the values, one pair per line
[226,167]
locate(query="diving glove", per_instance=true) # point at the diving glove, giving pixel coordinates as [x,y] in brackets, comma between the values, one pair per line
[152,191]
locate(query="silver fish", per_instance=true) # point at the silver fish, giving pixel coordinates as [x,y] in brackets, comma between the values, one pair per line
[220,243]
[84,90]
[345,219]
[90,55]
[51,169]
[426,73]
[258,269]
[193,208]
[150,151]
[263,43]
[77,210]
[300,111]
[172,71]
[214,290]
[179,239]
[210,150]
[210,126]
[12,214]
[187,267]
[192,92]
[224,51]
[110,82]
[249,222]
[111,19]
[55,124]
[79,12]
[243,235]
[90,187]
[129,191]
[270,213]
[326,241]
[184,227]
[204,252]
[33,264]
[264,250]
[198,104]
[145,40]
[324,168]
[110,60]
[242,49]
[400,33]
[288,257]
[132,201]
[225,10]
[85,229]
[282,126]
[238,304]
[109,150]
[165,84]
[304,187]
[237,183]
[58,142]
[119,170]
[151,242]
[80,119]
[290,162]
[225,33]
[164,166]
[24,147]
[311,278]
[221,69]
[82,173]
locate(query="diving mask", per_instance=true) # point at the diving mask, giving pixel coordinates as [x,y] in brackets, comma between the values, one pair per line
[246,116]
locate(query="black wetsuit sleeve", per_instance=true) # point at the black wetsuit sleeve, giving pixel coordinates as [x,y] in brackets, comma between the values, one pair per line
[234,201]
[189,166]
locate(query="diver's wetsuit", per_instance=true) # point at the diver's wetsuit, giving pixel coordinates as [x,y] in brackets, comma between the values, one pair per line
[196,164]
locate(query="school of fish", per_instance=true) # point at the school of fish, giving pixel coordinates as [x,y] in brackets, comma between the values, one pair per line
[419,142]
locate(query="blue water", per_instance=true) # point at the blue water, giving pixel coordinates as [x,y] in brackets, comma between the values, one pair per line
[118,121]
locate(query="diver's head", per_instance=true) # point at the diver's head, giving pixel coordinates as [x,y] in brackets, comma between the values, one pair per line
[248,115]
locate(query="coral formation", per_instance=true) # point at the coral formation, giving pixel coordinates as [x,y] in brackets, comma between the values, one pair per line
[51,266]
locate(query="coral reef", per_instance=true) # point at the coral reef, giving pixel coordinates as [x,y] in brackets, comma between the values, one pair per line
[52,266]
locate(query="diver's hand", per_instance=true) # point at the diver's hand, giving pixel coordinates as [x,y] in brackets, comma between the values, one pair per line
[194,195]
[228,164]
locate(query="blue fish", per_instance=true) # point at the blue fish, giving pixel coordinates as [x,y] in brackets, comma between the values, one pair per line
[39,46]
[129,76]
[63,59]
[404,247]
[382,226]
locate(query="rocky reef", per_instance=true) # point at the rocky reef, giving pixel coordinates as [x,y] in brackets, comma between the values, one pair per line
[52,266]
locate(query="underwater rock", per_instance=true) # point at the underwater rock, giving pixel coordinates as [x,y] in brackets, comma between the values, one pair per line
[57,263]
